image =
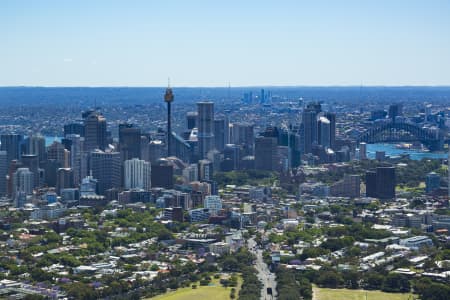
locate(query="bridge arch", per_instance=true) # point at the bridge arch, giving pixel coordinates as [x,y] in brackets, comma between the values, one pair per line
[401,132]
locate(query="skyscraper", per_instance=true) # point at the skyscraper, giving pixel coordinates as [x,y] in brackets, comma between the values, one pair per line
[395,110]
[129,141]
[371,184]
[381,183]
[11,143]
[265,153]
[76,150]
[95,132]
[31,161]
[36,146]
[220,133]
[57,151]
[386,182]
[137,174]
[309,122]
[74,128]
[162,175]
[155,151]
[106,168]
[191,120]
[205,123]
[324,132]
[242,134]
[231,158]
[362,150]
[332,118]
[64,179]
[168,98]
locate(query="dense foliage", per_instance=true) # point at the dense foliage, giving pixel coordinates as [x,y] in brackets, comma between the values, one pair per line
[250,177]
[251,286]
[291,285]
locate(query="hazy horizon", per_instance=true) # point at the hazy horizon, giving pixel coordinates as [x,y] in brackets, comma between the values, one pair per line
[226,87]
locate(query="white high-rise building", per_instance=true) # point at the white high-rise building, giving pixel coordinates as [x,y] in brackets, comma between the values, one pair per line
[23,181]
[213,203]
[75,156]
[137,174]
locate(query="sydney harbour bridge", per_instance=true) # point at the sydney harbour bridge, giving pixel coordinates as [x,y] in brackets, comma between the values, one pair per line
[393,132]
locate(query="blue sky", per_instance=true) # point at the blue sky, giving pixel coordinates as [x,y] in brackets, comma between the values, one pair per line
[216,43]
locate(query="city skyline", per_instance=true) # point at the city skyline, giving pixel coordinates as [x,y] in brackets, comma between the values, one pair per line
[201,44]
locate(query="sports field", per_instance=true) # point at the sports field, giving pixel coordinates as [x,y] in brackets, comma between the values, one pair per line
[214,291]
[345,294]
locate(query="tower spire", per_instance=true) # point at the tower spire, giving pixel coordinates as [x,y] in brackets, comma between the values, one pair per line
[168,98]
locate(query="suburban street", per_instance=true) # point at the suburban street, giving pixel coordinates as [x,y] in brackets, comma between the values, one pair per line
[265,276]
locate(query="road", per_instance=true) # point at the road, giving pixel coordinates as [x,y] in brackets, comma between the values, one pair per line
[267,278]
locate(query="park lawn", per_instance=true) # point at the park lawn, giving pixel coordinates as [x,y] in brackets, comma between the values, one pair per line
[216,292]
[346,294]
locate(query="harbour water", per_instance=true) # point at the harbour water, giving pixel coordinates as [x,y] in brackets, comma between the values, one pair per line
[392,151]
[50,139]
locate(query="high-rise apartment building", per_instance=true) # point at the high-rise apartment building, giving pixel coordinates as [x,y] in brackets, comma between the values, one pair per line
[205,124]
[386,182]
[381,183]
[137,174]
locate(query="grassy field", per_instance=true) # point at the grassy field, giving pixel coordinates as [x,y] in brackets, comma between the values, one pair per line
[345,294]
[215,291]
